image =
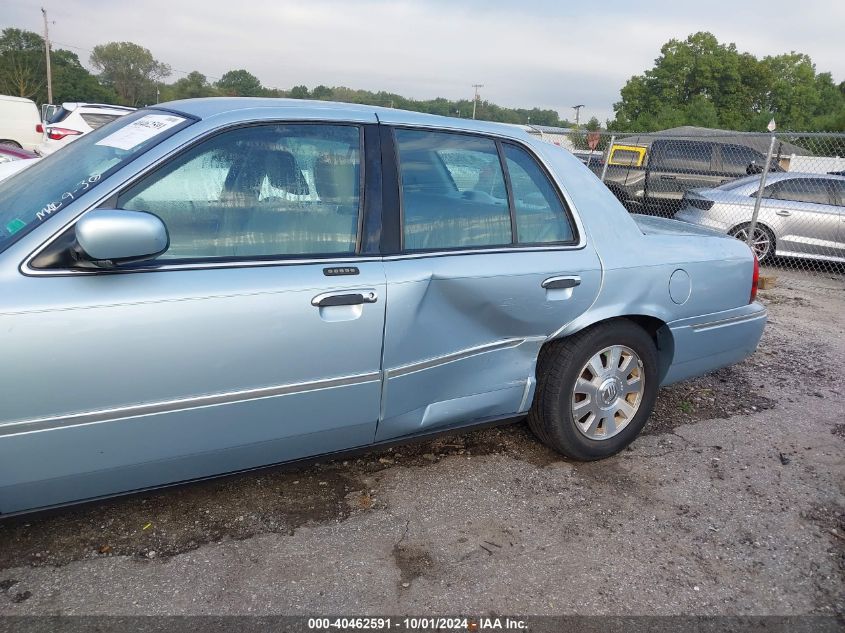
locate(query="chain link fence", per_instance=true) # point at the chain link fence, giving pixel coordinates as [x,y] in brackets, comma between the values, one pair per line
[782,193]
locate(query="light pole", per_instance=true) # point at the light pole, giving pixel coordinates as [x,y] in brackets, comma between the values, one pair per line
[475,100]
[47,53]
[577,109]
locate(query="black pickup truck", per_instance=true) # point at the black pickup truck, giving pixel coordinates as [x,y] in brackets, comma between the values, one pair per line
[652,177]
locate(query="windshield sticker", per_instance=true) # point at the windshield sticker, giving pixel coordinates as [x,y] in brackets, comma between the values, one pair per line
[15,225]
[141,130]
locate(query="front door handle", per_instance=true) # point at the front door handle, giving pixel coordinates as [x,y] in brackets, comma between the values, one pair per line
[783,212]
[564,281]
[665,177]
[347,298]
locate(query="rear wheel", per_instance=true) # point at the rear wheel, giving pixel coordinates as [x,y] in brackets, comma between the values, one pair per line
[596,389]
[10,143]
[763,242]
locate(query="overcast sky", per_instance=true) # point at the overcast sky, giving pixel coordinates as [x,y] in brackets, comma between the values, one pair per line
[531,53]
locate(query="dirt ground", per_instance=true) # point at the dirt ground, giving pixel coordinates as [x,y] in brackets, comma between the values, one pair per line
[732,502]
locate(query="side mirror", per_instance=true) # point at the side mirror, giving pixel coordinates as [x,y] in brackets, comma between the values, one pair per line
[108,237]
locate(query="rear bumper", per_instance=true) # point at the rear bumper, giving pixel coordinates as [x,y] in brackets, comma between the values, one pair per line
[707,342]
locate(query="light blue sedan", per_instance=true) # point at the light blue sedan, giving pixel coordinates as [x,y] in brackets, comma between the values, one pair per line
[216,285]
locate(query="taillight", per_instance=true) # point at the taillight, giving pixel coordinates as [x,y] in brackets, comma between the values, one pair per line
[755,278]
[58,133]
[39,128]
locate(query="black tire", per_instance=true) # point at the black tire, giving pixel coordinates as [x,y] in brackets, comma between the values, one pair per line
[10,143]
[741,230]
[559,366]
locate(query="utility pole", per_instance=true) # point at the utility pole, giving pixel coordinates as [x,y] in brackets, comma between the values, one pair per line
[577,109]
[47,53]
[475,100]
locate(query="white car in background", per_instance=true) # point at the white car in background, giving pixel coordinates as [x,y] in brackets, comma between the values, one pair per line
[72,120]
[20,123]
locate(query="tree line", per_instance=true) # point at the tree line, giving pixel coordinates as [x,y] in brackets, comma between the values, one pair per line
[128,74]
[697,81]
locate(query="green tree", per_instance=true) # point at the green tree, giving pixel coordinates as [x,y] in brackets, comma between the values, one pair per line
[240,83]
[699,81]
[193,85]
[129,69]
[72,82]
[299,92]
[22,65]
[322,92]
[23,71]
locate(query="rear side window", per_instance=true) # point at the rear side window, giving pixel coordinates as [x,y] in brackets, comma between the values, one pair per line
[97,119]
[453,191]
[682,156]
[540,216]
[812,190]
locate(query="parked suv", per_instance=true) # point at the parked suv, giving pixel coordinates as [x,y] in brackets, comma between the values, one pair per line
[72,120]
[654,178]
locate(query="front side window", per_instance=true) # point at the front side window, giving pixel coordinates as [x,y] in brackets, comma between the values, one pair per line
[540,216]
[260,191]
[453,191]
[736,159]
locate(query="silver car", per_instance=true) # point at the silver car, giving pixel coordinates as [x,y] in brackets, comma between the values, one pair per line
[801,215]
[215,285]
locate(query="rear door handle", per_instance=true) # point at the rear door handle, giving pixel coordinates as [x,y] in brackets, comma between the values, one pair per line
[349,298]
[665,177]
[564,281]
[783,212]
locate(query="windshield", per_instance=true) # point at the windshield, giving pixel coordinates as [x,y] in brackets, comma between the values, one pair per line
[33,195]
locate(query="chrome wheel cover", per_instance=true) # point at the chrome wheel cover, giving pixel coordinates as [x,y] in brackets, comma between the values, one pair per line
[762,242]
[608,392]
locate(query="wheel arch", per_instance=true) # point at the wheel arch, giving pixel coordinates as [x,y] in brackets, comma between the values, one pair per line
[773,236]
[656,328]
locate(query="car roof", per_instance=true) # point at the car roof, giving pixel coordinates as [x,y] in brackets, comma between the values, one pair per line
[75,105]
[790,175]
[307,108]
[13,98]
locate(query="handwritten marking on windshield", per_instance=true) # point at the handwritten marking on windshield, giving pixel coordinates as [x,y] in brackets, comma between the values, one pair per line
[50,208]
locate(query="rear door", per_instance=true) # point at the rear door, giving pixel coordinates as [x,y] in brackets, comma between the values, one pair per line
[490,265]
[256,338]
[807,217]
[674,166]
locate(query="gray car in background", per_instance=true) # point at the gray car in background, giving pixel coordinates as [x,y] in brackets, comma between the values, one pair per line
[801,215]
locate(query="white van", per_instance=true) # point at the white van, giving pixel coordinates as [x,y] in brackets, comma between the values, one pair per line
[20,122]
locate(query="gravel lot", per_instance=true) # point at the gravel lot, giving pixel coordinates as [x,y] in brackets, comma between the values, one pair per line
[732,502]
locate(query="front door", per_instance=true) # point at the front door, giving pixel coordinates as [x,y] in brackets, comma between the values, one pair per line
[489,270]
[256,338]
